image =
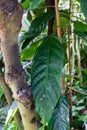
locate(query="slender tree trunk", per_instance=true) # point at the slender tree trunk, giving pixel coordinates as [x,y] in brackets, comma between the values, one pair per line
[50,6]
[10,24]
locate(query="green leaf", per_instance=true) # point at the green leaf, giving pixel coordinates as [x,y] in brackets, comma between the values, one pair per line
[81,34]
[37,26]
[79,26]
[80,29]
[82,117]
[35,3]
[13,109]
[30,51]
[25,4]
[60,118]
[64,22]
[45,76]
[83,4]
[41,128]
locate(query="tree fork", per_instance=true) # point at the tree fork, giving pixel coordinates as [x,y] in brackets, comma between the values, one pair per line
[10,24]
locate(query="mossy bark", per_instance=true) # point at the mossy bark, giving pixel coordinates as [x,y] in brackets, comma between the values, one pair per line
[10,24]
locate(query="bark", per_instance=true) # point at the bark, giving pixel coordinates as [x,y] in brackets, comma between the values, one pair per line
[10,24]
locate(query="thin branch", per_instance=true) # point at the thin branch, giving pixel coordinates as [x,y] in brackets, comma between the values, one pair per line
[70,69]
[63,83]
[58,19]
[5,89]
[59,34]
[79,61]
[8,97]
[77,91]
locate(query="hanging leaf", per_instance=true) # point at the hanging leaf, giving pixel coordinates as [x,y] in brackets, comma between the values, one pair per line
[79,26]
[37,26]
[60,118]
[83,4]
[45,76]
[81,34]
[80,29]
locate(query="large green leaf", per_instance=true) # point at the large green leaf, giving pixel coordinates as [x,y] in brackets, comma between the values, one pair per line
[37,26]
[60,118]
[83,4]
[45,76]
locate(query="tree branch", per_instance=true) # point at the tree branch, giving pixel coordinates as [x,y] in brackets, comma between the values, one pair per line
[70,69]
[8,97]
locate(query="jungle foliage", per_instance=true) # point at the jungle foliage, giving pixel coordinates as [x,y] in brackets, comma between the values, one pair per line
[51,64]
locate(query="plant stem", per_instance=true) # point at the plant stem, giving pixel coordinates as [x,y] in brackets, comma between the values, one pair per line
[79,60]
[58,19]
[59,34]
[70,69]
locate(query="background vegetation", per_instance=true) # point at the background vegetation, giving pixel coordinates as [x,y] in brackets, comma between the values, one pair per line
[45,57]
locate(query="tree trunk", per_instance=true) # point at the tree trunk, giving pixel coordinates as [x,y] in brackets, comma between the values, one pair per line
[10,24]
